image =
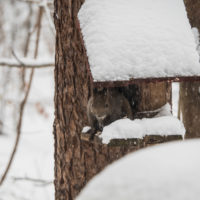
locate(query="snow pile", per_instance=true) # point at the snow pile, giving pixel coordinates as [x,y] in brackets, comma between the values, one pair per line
[168,172]
[138,128]
[138,39]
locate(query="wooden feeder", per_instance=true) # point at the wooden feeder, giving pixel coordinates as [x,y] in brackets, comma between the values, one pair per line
[138,43]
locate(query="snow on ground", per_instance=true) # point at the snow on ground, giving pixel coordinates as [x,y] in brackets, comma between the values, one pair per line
[168,172]
[34,157]
[138,39]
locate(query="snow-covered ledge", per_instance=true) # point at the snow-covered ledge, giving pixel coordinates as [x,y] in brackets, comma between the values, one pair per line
[164,172]
[139,128]
[161,128]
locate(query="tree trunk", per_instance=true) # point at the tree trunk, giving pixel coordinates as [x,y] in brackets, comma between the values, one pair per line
[154,95]
[189,91]
[76,161]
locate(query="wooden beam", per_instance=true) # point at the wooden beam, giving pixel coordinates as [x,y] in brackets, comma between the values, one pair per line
[108,84]
[137,142]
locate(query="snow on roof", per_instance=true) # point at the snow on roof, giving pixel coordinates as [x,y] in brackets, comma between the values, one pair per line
[138,39]
[168,172]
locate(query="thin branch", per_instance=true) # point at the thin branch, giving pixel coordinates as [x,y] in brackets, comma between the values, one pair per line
[27,44]
[48,15]
[39,21]
[30,1]
[27,63]
[40,181]
[18,129]
[36,2]
[16,57]
[23,103]
[44,4]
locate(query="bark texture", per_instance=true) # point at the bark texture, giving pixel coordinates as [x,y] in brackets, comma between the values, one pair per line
[189,91]
[76,160]
[154,95]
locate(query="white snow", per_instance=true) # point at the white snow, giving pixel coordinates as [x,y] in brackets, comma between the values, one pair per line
[86,129]
[139,128]
[175,98]
[197,38]
[138,39]
[164,172]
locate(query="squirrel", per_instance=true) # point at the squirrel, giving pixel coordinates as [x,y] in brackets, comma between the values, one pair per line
[106,106]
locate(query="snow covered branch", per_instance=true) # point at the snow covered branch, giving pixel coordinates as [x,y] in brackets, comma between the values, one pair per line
[26,63]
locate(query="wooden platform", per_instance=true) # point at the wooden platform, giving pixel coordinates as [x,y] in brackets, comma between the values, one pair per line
[137,142]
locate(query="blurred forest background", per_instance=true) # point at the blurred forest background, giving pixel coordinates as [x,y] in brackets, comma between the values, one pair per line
[27,40]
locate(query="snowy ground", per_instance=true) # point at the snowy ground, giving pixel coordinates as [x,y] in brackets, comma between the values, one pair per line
[34,157]
[162,172]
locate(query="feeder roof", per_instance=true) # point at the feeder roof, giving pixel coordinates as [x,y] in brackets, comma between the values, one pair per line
[138,39]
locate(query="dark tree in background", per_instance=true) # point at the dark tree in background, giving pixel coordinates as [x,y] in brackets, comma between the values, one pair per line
[77,161]
[190,91]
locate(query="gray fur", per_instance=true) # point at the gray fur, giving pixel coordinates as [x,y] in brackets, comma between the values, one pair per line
[105,107]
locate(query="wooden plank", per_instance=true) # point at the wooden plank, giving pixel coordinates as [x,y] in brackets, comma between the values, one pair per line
[127,142]
[107,84]
[134,142]
[152,97]
[174,137]
[156,139]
